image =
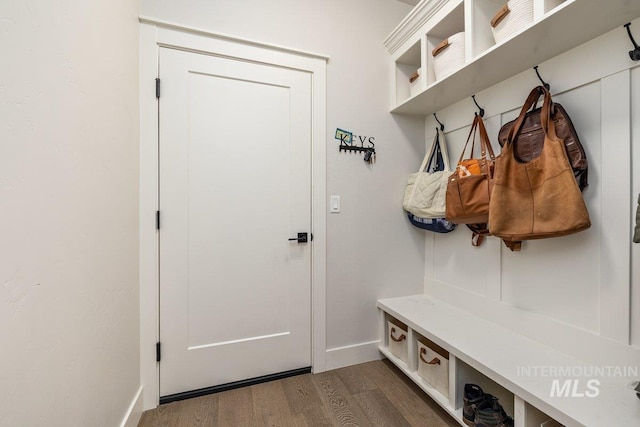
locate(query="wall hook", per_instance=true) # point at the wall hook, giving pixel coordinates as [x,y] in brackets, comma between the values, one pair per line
[545,84]
[635,53]
[441,125]
[479,107]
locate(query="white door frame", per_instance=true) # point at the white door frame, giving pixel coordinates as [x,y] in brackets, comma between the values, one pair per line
[153,35]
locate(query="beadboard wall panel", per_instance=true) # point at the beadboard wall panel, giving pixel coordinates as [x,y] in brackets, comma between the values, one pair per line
[616,202]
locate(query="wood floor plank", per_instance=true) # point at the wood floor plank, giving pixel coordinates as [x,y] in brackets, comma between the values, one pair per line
[343,409]
[199,411]
[379,410]
[235,408]
[163,416]
[270,406]
[305,402]
[416,407]
[300,420]
[355,379]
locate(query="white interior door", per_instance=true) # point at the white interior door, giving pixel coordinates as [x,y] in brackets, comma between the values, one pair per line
[235,168]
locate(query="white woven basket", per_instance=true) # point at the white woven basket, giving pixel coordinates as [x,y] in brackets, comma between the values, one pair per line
[519,15]
[449,58]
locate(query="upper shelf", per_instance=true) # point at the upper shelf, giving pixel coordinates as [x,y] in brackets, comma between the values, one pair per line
[566,26]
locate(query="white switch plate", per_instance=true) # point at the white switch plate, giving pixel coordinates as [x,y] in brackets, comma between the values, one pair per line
[335,204]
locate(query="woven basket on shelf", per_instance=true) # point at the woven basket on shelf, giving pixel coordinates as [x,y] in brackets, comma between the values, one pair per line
[511,18]
[448,56]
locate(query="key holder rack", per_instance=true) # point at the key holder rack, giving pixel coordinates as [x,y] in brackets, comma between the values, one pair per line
[635,53]
[370,153]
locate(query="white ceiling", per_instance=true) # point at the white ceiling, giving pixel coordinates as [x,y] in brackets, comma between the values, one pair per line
[411,2]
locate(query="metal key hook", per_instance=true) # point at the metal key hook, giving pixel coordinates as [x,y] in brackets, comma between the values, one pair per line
[635,53]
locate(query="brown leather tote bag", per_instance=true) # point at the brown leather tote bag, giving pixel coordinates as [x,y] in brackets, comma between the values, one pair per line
[538,198]
[469,187]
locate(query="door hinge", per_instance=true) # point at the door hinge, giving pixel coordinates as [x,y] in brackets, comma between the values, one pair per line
[158,87]
[158,354]
[157,220]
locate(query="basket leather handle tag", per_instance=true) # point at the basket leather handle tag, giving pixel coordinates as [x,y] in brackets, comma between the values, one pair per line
[502,13]
[414,77]
[434,361]
[400,338]
[442,46]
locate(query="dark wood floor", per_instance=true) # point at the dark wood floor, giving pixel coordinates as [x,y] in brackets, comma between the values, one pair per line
[370,394]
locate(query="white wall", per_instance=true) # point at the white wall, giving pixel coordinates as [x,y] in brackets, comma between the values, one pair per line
[372,251]
[578,293]
[68,212]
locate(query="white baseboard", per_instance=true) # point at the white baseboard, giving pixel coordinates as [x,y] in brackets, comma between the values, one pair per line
[134,412]
[340,357]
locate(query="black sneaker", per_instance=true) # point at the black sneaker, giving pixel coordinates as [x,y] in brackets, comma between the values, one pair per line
[473,396]
[490,414]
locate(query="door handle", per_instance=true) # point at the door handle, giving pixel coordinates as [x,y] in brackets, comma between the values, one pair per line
[302,238]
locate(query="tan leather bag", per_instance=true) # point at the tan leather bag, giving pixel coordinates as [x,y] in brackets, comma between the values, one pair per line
[469,187]
[538,198]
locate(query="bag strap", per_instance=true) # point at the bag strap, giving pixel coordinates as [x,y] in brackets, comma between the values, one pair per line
[444,152]
[472,131]
[548,125]
[532,99]
[435,158]
[436,150]
[485,144]
[426,162]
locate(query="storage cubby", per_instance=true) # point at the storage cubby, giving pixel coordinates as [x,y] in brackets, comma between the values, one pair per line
[465,374]
[548,6]
[452,24]
[432,365]
[407,64]
[397,341]
[481,37]
[533,417]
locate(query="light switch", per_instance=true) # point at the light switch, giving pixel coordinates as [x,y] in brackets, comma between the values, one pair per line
[335,204]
